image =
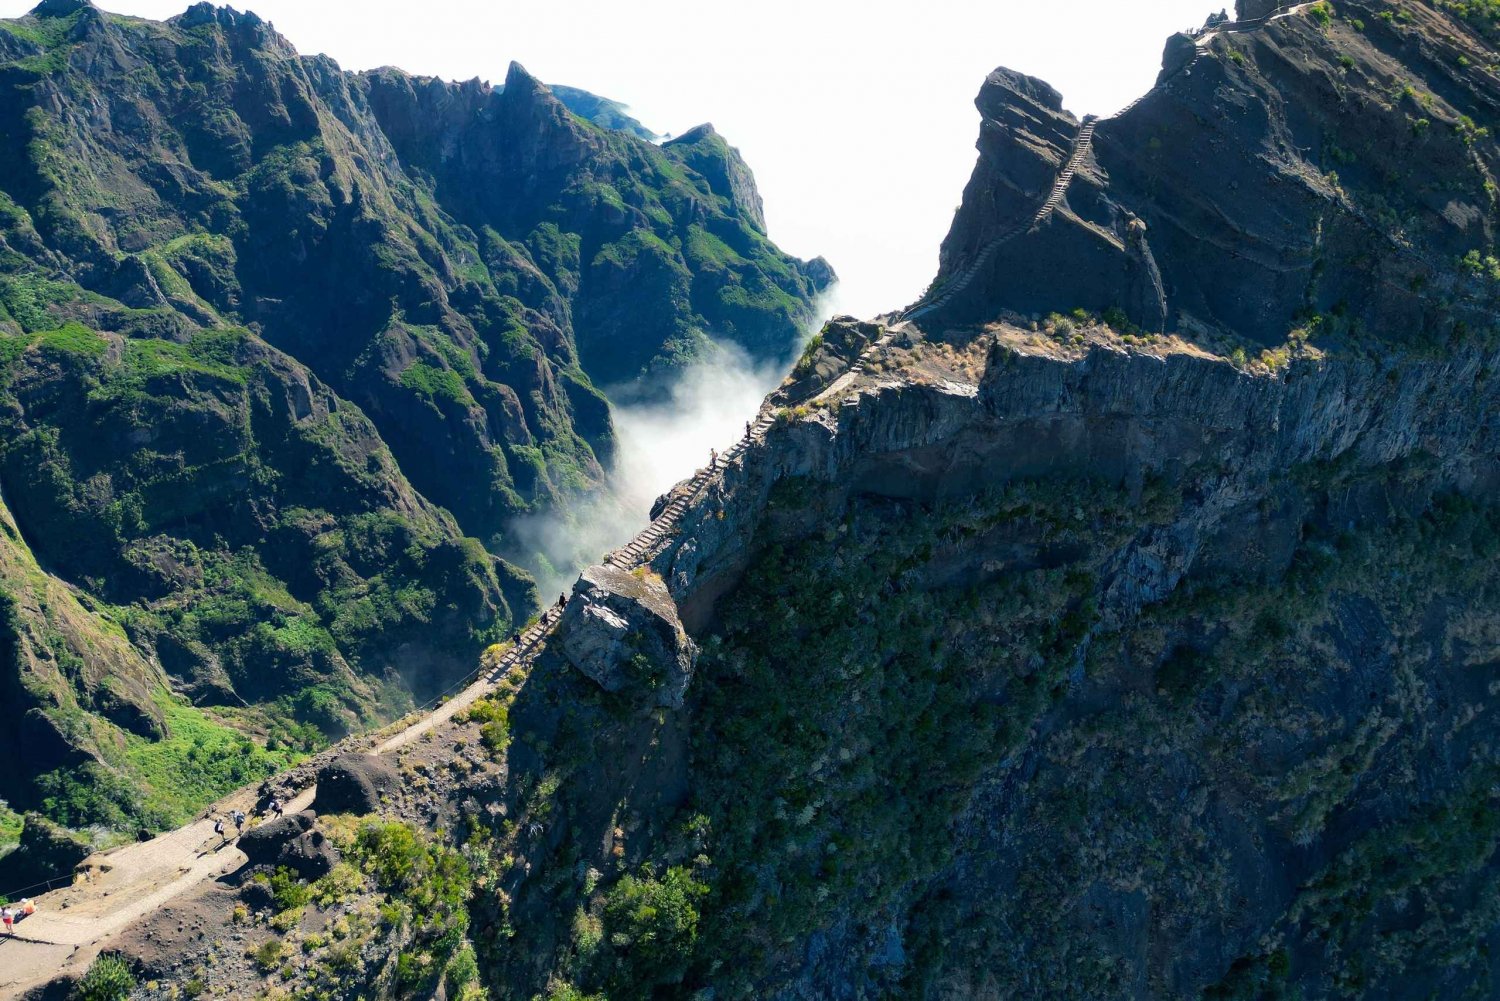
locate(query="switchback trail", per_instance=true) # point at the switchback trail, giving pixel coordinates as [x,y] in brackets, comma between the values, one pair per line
[945,292]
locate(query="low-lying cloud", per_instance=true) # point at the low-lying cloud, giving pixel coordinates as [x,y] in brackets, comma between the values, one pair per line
[663,438]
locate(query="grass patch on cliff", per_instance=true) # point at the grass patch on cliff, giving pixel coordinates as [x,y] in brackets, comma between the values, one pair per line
[200,760]
[428,886]
[48,32]
[210,354]
[73,339]
[11,823]
[1484,15]
[28,297]
[436,385]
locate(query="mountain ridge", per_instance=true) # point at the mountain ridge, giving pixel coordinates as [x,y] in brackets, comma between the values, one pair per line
[276,383]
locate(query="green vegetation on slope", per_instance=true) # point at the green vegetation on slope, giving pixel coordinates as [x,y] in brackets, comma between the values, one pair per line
[272,398]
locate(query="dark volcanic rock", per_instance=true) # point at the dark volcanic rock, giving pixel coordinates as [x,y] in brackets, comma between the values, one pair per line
[292,841]
[263,844]
[622,631]
[310,855]
[257,895]
[46,852]
[1272,175]
[355,783]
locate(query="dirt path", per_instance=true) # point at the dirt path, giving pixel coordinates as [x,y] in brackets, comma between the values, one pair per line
[72,925]
[127,884]
[528,647]
[122,886]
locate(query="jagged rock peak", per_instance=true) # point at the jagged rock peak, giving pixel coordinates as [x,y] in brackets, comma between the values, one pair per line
[1020,102]
[60,8]
[519,81]
[1031,89]
[697,132]
[207,13]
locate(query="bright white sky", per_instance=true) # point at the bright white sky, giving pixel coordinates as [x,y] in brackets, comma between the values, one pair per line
[857,118]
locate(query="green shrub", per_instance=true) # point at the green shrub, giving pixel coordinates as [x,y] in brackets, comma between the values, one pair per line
[341,883]
[495,715]
[1117,319]
[567,992]
[267,955]
[652,925]
[108,979]
[809,353]
[289,891]
[463,970]
[428,884]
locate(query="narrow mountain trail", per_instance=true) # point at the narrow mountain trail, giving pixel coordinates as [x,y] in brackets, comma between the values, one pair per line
[122,887]
[1082,144]
[946,292]
[1239,27]
[115,889]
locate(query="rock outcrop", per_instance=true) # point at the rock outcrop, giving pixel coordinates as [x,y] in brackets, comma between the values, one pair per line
[1275,174]
[621,630]
[293,841]
[46,855]
[355,783]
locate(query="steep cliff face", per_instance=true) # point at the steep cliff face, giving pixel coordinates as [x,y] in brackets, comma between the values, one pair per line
[1052,657]
[284,350]
[1316,168]
[1089,669]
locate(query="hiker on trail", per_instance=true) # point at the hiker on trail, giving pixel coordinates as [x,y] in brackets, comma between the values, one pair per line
[239,822]
[27,908]
[747,430]
[713,459]
[219,829]
[9,917]
[562,601]
[515,639]
[274,806]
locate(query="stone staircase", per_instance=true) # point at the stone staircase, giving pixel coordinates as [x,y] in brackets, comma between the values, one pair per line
[637,550]
[944,294]
[530,637]
[640,549]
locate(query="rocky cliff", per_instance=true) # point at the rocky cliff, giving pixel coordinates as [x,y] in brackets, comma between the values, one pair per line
[1326,168]
[283,352]
[1036,650]
[1060,648]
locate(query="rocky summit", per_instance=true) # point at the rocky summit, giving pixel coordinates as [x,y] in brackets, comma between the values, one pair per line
[284,351]
[1119,620]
